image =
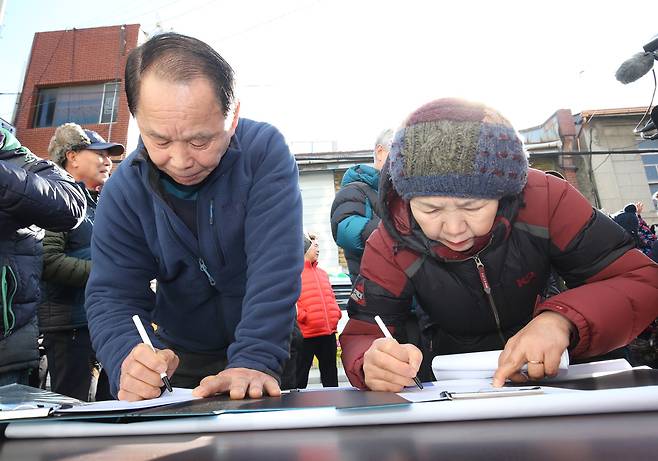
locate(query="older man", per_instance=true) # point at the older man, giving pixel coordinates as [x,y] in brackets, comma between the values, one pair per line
[209,206]
[85,155]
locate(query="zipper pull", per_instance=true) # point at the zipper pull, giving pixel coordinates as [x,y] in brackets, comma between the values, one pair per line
[483,274]
[204,269]
[212,212]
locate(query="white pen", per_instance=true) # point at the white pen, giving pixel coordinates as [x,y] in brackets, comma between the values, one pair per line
[146,340]
[387,334]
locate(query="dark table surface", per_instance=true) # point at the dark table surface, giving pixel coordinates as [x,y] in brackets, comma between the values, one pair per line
[620,436]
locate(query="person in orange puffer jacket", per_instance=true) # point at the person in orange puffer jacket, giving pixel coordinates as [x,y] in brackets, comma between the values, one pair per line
[317,315]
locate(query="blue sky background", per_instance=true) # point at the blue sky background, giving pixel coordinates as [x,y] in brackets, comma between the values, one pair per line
[335,72]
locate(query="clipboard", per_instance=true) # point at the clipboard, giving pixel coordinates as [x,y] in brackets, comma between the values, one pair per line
[489,393]
[340,399]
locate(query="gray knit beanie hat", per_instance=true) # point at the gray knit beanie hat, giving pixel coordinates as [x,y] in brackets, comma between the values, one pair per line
[456,148]
[71,136]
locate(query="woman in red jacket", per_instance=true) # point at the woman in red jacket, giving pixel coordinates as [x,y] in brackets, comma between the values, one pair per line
[317,315]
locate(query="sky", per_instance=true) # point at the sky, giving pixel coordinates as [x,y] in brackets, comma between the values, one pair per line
[332,74]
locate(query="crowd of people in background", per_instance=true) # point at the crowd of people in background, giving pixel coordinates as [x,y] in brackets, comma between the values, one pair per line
[644,349]
[449,221]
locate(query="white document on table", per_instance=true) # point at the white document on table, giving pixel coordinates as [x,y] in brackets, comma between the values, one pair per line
[436,390]
[433,391]
[167,398]
[476,365]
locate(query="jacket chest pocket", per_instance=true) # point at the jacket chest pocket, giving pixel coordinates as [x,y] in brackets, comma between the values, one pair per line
[229,235]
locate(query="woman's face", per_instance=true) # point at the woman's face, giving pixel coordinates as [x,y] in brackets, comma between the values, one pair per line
[454,221]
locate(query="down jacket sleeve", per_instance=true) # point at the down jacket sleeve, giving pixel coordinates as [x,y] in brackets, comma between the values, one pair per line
[368,299]
[613,288]
[38,193]
[353,217]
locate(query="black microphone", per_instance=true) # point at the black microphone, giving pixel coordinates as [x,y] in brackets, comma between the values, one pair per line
[652,45]
[635,67]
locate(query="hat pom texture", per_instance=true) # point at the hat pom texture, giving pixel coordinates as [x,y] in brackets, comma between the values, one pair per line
[455,148]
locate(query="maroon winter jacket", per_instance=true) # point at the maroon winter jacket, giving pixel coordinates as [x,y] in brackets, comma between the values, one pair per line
[550,226]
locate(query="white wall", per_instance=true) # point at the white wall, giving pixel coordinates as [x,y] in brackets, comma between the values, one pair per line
[317,195]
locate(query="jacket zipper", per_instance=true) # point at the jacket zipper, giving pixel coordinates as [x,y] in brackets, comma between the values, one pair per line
[9,285]
[202,264]
[211,221]
[204,269]
[487,289]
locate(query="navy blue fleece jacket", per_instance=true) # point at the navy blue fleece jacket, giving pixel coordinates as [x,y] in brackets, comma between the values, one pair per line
[234,288]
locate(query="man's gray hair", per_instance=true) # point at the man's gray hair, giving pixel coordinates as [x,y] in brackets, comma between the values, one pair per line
[385,139]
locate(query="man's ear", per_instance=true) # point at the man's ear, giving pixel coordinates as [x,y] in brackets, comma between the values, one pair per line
[236,115]
[70,156]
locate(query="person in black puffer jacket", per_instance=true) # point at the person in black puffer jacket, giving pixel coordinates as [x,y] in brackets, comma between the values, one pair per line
[34,194]
[627,218]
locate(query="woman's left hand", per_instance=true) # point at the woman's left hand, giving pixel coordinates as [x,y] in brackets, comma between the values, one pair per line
[540,344]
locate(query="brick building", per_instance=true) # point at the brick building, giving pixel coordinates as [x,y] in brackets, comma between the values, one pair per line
[76,76]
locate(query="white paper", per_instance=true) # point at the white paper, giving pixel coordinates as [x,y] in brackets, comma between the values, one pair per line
[21,412]
[475,365]
[432,391]
[167,398]
[591,370]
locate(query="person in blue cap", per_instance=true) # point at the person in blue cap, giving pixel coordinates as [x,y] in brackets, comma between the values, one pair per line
[72,364]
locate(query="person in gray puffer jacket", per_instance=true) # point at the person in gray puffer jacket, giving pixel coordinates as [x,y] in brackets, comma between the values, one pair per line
[85,155]
[34,194]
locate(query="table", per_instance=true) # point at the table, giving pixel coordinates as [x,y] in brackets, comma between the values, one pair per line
[632,436]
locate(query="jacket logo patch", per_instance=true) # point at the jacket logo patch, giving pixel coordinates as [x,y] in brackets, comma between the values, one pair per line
[357,294]
[526,279]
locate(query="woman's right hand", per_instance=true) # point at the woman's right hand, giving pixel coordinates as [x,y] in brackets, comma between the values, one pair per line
[390,366]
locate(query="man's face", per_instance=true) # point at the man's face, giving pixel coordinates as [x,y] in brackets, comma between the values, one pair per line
[183,127]
[454,222]
[92,167]
[313,252]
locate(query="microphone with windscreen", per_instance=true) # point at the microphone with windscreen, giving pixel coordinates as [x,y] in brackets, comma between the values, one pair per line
[641,63]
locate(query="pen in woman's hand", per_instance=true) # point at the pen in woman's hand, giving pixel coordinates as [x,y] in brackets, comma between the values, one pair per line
[387,334]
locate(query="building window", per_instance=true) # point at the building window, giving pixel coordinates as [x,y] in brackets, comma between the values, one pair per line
[84,105]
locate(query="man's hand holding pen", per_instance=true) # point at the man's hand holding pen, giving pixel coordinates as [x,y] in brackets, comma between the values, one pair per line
[140,372]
